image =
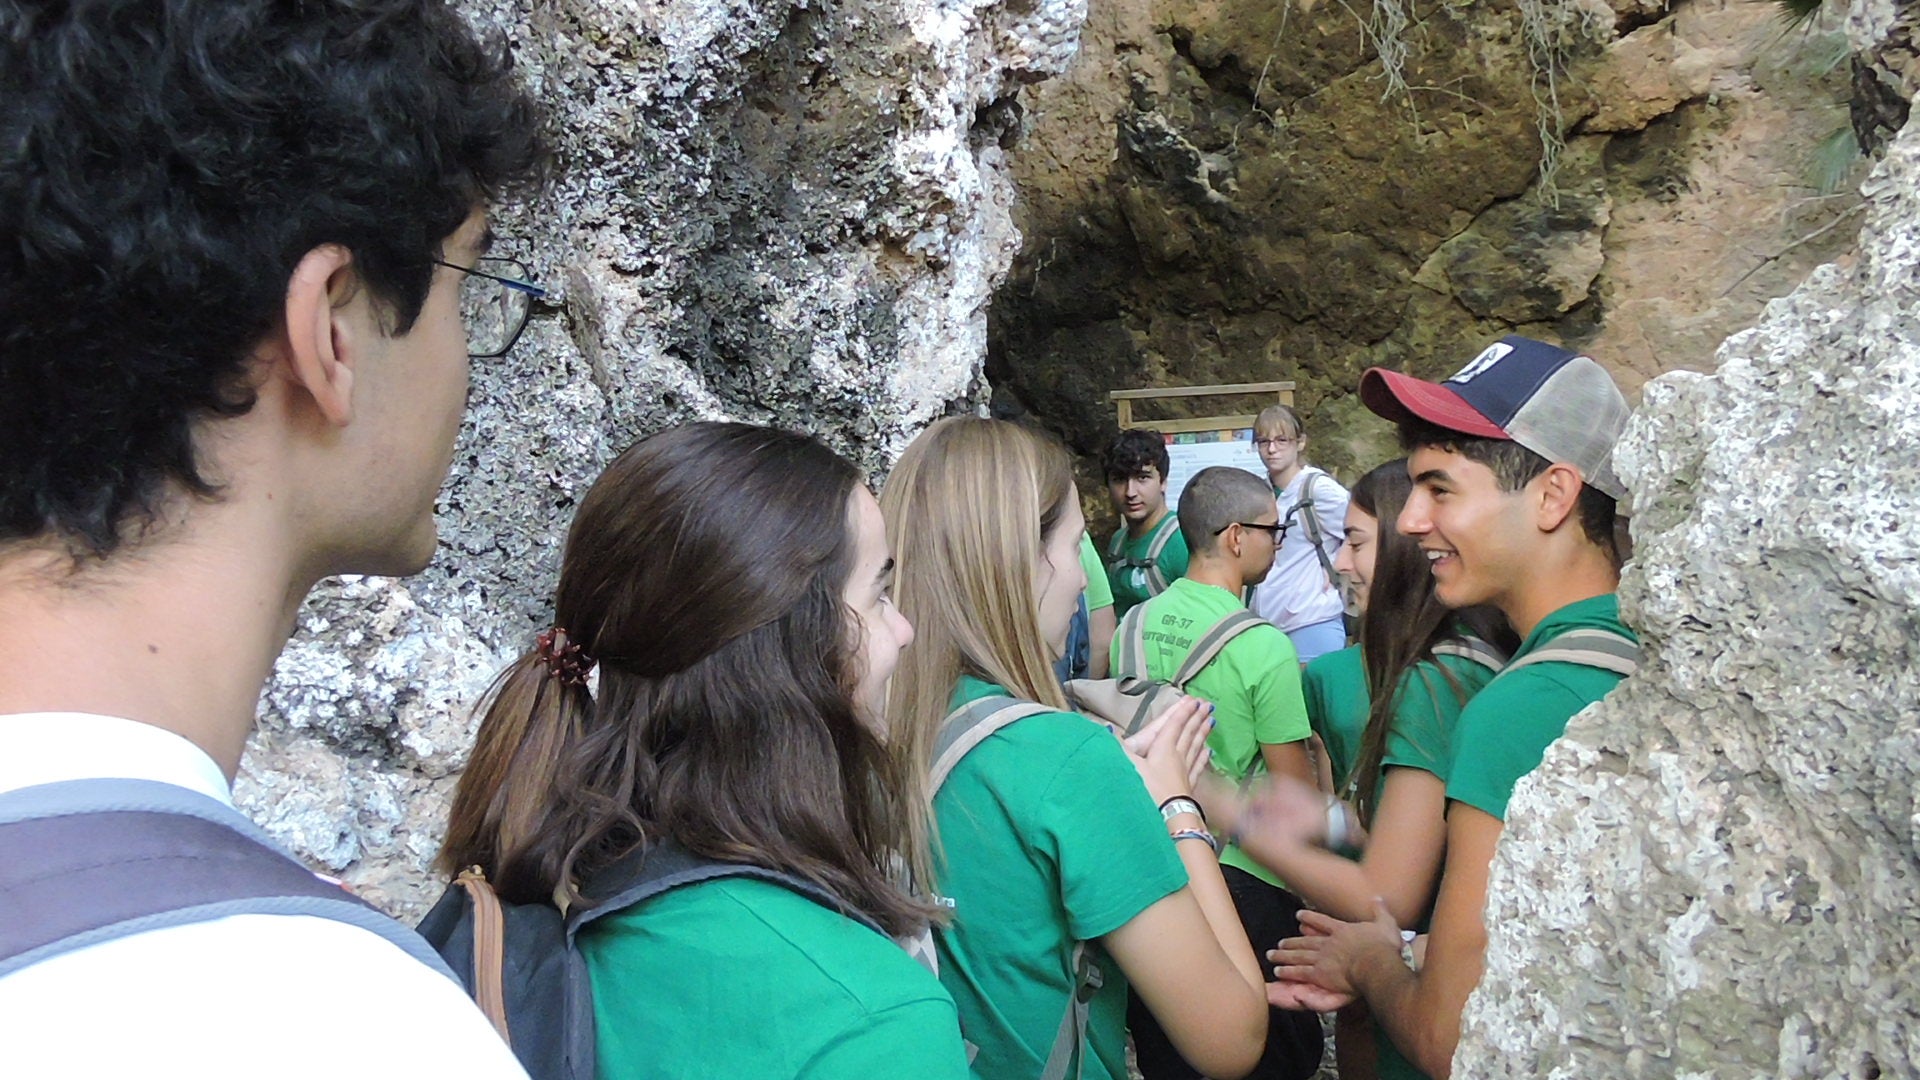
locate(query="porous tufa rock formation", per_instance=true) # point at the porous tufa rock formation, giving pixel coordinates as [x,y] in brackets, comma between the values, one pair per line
[1715,873]
[776,212]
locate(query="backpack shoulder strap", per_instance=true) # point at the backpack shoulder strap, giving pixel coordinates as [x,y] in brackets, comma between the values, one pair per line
[1594,648]
[970,725]
[1131,674]
[1306,510]
[1156,577]
[1209,647]
[645,873]
[88,861]
[1169,526]
[1474,649]
[1068,1055]
[1306,503]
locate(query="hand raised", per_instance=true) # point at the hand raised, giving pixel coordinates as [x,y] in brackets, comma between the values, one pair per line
[1171,752]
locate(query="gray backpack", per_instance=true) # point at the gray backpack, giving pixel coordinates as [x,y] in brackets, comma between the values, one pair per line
[1132,698]
[964,729]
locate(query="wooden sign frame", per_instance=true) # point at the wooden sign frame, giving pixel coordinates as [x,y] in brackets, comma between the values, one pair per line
[1123,405]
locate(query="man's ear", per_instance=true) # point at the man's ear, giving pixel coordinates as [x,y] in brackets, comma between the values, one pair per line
[1559,494]
[1234,540]
[321,350]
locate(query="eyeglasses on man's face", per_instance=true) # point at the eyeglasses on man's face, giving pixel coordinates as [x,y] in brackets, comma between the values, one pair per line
[495,302]
[1276,532]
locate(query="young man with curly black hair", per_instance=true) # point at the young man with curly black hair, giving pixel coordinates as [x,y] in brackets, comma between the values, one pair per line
[234,236]
[1147,552]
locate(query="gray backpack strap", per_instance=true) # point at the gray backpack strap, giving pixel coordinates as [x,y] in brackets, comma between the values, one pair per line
[643,874]
[1212,642]
[1593,648]
[969,726]
[1474,649]
[1312,522]
[1156,578]
[1069,1052]
[1131,672]
[964,729]
[88,861]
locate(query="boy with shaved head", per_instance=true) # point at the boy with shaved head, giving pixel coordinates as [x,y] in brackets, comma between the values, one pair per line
[1513,503]
[1232,529]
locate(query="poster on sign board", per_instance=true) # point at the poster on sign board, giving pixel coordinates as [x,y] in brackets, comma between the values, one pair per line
[1189,452]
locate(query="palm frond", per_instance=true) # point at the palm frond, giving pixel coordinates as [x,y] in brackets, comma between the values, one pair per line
[1832,160]
[1798,12]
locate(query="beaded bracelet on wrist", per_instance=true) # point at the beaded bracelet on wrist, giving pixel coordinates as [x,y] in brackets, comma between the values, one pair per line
[1198,834]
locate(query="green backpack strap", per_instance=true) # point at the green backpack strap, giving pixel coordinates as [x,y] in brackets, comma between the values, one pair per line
[1593,648]
[1474,649]
[1212,642]
[968,727]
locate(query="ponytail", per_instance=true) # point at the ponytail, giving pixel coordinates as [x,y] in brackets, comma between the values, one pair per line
[508,797]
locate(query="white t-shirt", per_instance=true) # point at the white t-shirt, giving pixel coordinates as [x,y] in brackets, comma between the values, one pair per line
[1296,592]
[284,996]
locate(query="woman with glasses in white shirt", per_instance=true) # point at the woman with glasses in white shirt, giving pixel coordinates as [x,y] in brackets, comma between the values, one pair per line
[1301,594]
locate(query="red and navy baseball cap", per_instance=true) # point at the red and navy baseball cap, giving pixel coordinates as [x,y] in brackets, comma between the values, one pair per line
[1558,404]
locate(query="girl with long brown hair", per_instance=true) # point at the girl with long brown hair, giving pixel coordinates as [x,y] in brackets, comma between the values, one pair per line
[727,587]
[1069,877]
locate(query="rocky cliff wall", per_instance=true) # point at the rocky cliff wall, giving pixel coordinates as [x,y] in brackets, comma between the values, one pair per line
[771,211]
[1247,189]
[1717,872]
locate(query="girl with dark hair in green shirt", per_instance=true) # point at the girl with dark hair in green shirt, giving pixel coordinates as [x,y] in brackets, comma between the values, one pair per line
[728,587]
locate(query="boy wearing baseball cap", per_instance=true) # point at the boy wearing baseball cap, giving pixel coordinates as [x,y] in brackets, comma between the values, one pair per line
[1513,503]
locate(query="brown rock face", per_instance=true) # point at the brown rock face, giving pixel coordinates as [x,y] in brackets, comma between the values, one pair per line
[1233,190]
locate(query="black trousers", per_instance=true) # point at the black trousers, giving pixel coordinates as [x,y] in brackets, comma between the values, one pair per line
[1293,1038]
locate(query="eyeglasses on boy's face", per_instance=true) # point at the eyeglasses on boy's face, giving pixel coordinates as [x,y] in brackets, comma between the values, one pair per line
[495,302]
[1276,532]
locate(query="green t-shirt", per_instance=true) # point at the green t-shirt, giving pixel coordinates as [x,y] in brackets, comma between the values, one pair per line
[1421,738]
[1505,730]
[1254,684]
[1099,589]
[1047,837]
[1424,716]
[1129,583]
[745,978]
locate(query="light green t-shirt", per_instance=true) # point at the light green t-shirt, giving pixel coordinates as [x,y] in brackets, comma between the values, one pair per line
[1506,729]
[1099,589]
[1254,684]
[740,978]
[1421,738]
[1130,585]
[1047,836]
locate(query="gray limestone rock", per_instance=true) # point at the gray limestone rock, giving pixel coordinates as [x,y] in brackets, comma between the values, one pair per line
[1714,874]
[777,212]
